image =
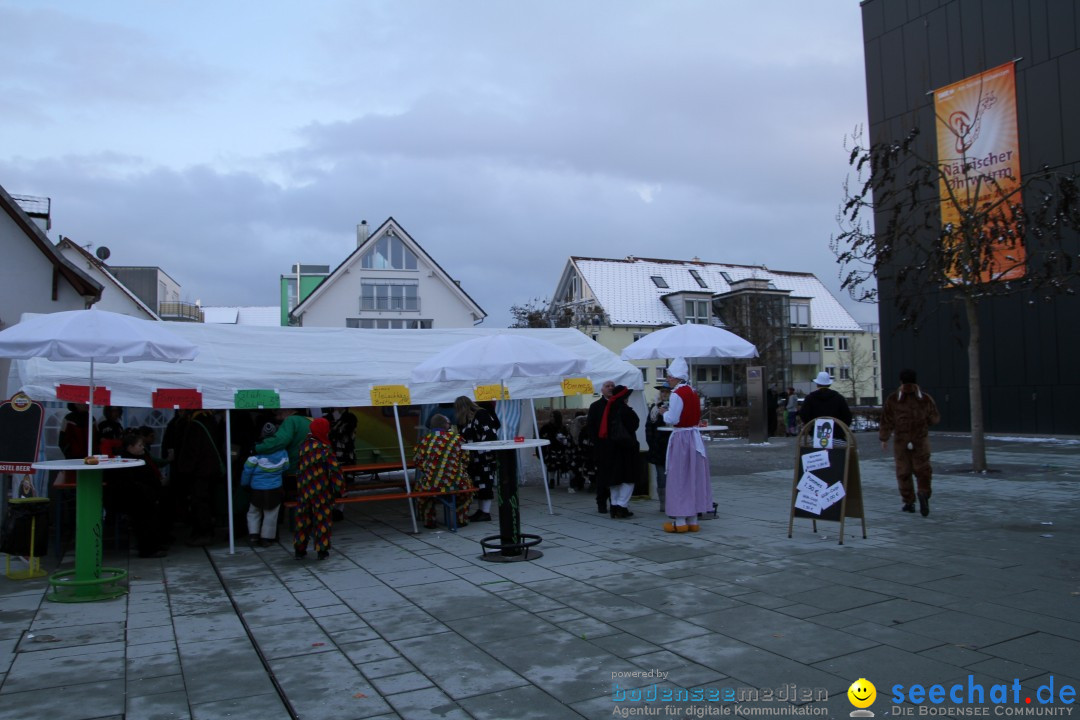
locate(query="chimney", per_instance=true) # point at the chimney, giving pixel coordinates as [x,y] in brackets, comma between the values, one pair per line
[361,233]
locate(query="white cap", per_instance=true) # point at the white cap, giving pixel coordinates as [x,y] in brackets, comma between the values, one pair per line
[679,369]
[823,379]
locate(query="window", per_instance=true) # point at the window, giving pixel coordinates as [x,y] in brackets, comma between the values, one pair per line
[845,372]
[596,337]
[388,253]
[715,373]
[387,324]
[828,343]
[697,311]
[800,314]
[727,278]
[697,276]
[842,344]
[639,335]
[389,295]
[702,375]
[645,375]
[659,281]
[831,369]
[290,293]
[661,374]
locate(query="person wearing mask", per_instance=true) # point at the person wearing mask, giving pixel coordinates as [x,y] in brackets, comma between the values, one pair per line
[907,416]
[478,424]
[318,484]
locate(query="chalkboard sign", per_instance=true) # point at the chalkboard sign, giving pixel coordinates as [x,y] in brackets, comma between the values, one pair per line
[827,483]
[21,420]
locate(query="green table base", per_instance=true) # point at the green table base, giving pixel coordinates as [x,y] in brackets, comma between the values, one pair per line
[89,581]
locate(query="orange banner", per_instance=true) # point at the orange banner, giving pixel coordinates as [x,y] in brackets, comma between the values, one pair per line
[979,156]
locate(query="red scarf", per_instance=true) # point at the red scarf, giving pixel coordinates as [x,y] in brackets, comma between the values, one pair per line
[607,408]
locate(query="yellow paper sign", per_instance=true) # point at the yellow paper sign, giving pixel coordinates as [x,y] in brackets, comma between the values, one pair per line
[484,393]
[577,386]
[382,395]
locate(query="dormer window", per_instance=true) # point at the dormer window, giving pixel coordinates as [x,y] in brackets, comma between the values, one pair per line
[389,253]
[697,277]
[659,281]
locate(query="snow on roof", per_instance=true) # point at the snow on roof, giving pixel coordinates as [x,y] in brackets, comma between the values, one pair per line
[268,316]
[32,205]
[629,295]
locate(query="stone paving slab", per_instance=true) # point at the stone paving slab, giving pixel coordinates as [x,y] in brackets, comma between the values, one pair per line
[395,625]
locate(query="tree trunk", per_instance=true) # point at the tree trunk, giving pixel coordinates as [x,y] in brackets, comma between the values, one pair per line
[978,436]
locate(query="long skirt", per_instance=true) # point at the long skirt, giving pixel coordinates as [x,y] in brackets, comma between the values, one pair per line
[689,487]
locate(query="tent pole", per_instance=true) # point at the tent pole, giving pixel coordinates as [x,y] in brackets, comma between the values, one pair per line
[405,469]
[229,479]
[540,452]
[90,419]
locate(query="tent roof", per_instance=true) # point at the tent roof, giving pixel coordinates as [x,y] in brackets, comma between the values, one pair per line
[310,367]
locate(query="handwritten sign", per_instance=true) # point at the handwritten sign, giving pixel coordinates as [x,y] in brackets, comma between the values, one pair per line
[255,399]
[812,484]
[577,386]
[81,394]
[387,395]
[823,433]
[808,502]
[484,393]
[815,460]
[832,495]
[176,398]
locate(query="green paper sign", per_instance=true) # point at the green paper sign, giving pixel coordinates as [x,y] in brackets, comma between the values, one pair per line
[255,399]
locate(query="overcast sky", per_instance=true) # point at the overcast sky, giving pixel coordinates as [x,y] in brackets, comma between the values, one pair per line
[225,141]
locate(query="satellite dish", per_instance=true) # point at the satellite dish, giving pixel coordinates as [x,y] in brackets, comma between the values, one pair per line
[103,253]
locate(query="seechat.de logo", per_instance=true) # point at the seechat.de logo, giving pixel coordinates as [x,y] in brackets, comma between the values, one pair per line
[862,694]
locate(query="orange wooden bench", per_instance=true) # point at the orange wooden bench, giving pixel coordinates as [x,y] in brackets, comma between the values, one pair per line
[448,498]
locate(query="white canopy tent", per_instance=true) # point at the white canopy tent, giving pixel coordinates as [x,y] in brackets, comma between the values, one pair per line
[316,368]
[313,367]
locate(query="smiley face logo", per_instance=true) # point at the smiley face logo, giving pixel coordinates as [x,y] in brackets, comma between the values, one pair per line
[862,693]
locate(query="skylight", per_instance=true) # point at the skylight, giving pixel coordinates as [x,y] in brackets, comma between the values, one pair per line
[659,281]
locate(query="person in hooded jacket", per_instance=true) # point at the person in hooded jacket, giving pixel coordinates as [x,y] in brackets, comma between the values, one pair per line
[824,402]
[318,484]
[907,416]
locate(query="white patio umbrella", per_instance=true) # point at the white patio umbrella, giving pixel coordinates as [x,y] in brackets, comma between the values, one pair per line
[94,336]
[689,341]
[499,357]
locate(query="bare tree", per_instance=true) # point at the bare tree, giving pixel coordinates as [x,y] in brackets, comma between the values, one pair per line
[1010,238]
[860,368]
[537,313]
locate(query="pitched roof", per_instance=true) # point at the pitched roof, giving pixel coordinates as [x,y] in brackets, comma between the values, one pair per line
[101,267]
[626,291]
[389,224]
[82,284]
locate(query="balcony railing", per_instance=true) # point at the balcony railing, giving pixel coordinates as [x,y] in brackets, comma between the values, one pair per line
[180,312]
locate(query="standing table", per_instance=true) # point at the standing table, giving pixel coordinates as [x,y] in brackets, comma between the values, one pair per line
[89,581]
[512,545]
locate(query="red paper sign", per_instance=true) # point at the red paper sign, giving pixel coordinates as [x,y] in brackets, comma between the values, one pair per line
[81,394]
[177,398]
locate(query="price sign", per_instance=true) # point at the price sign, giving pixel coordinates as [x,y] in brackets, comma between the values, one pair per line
[484,393]
[385,395]
[176,398]
[255,399]
[577,386]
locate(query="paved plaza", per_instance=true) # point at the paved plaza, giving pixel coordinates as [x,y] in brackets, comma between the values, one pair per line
[982,593]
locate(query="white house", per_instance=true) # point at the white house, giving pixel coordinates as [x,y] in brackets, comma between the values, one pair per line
[34,276]
[798,326]
[387,282]
[115,296]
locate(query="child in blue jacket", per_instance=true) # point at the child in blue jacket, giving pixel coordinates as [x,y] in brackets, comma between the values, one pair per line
[263,473]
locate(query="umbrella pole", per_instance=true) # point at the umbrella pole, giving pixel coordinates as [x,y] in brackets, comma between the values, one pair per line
[90,418]
[405,468]
[540,452]
[229,479]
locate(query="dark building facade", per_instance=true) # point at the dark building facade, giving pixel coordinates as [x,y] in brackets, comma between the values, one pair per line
[1030,346]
